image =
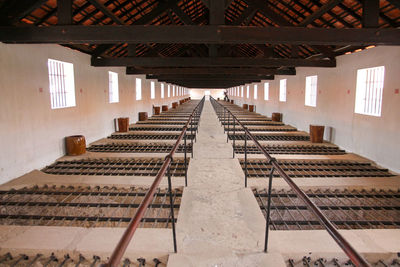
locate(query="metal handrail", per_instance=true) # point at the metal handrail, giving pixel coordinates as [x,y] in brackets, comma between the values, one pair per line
[123,243]
[354,256]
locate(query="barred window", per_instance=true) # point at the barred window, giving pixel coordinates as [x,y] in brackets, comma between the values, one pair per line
[282,90]
[266,91]
[113,93]
[369,91]
[152,90]
[311,91]
[138,89]
[61,84]
[162,90]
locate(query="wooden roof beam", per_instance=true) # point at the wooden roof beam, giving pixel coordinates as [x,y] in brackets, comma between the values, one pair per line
[198,35]
[207,77]
[211,71]
[210,62]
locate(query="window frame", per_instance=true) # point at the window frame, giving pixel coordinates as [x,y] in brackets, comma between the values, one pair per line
[138,89]
[61,84]
[310,93]
[283,90]
[369,100]
[266,91]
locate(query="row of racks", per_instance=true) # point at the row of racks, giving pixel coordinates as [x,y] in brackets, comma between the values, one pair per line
[167,141]
[165,170]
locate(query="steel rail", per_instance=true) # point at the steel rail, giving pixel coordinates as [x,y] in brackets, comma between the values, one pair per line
[123,243]
[354,256]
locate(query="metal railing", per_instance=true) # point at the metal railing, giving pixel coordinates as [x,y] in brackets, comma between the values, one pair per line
[123,243]
[226,114]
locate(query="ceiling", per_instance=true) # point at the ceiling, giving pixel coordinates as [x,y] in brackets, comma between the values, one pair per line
[205,44]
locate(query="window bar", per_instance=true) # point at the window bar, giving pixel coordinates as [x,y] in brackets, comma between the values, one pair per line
[63,86]
[271,174]
[57,84]
[51,82]
[171,205]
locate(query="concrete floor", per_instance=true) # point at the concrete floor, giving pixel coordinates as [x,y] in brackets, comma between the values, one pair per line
[220,223]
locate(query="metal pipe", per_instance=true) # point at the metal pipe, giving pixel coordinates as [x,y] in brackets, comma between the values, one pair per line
[123,243]
[354,256]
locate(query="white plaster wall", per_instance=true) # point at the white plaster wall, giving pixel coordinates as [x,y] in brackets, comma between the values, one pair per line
[199,93]
[31,133]
[376,138]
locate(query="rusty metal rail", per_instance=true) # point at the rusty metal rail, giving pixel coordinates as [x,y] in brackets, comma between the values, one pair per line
[354,256]
[123,243]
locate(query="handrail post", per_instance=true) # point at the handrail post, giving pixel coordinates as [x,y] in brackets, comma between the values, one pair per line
[197,122]
[234,136]
[184,149]
[223,123]
[171,203]
[271,175]
[191,134]
[227,135]
[245,159]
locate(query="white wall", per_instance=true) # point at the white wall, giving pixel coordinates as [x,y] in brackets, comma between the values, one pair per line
[31,133]
[199,93]
[376,138]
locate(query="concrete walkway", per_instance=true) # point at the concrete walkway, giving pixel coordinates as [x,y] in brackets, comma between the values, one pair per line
[220,223]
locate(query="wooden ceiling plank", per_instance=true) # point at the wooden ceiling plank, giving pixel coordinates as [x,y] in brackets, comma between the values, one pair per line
[106,11]
[64,12]
[370,15]
[318,13]
[396,3]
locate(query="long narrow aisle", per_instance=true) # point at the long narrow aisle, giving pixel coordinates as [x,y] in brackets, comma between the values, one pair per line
[220,223]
